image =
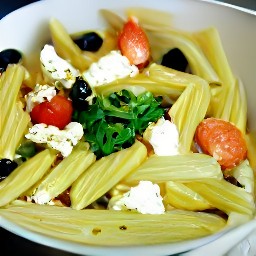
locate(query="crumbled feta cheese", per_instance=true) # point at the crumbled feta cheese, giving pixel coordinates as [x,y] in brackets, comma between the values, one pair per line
[164,137]
[56,68]
[109,68]
[41,197]
[40,94]
[61,140]
[144,198]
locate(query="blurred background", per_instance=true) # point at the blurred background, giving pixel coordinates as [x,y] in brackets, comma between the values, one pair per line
[7,6]
[14,245]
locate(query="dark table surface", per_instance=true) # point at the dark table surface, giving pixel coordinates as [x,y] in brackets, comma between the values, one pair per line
[14,245]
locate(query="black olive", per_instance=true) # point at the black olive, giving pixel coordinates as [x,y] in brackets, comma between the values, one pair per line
[79,92]
[9,56]
[6,167]
[175,59]
[90,41]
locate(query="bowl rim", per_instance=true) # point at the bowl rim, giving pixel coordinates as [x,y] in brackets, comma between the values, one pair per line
[114,250]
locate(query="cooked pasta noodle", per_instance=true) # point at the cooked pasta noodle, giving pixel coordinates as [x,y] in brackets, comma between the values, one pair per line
[225,196]
[104,174]
[25,176]
[14,120]
[181,168]
[180,196]
[104,227]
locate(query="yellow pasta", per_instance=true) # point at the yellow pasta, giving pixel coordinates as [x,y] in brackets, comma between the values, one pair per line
[10,85]
[222,97]
[187,115]
[198,63]
[104,174]
[180,196]
[66,48]
[104,227]
[251,145]
[25,176]
[182,168]
[157,79]
[149,18]
[225,196]
[65,173]
[14,120]
[238,115]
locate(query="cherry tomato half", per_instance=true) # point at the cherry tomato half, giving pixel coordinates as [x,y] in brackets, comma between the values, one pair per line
[57,112]
[223,140]
[134,44]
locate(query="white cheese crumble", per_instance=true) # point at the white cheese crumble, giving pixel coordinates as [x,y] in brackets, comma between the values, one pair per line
[144,198]
[40,94]
[164,137]
[41,197]
[61,140]
[109,68]
[56,68]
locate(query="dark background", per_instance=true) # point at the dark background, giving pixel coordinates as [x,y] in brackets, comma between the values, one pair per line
[11,244]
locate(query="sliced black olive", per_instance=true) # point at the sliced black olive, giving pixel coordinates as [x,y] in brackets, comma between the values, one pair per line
[90,41]
[79,93]
[175,59]
[6,167]
[9,56]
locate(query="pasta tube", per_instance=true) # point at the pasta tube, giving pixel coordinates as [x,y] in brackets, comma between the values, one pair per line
[222,97]
[180,196]
[113,228]
[14,120]
[25,176]
[10,85]
[113,20]
[182,168]
[188,111]
[198,62]
[67,49]
[157,79]
[14,130]
[251,145]
[104,174]
[64,174]
[238,115]
[244,174]
[225,196]
[150,18]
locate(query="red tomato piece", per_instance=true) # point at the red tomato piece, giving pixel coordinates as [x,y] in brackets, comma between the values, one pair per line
[222,140]
[134,44]
[57,112]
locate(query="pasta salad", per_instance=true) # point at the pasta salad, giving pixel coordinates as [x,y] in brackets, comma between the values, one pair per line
[136,134]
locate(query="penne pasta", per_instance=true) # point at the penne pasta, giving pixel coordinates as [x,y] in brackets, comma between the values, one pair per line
[64,174]
[14,120]
[10,86]
[66,48]
[222,97]
[225,196]
[104,174]
[180,196]
[198,62]
[104,227]
[238,115]
[25,176]
[182,168]
[187,116]
[14,131]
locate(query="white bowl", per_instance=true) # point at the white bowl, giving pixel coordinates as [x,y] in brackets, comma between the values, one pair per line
[27,30]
